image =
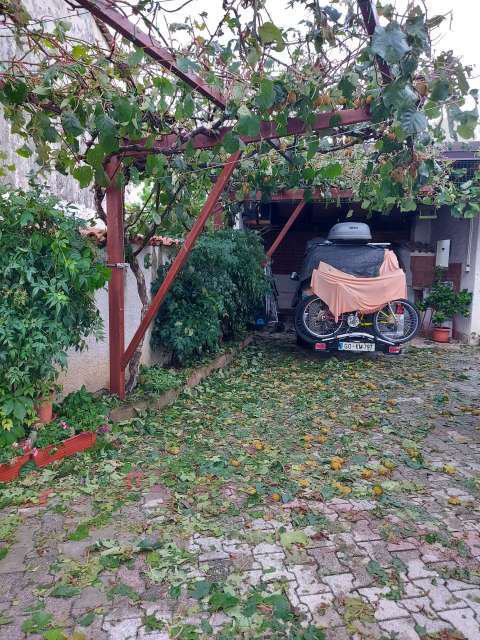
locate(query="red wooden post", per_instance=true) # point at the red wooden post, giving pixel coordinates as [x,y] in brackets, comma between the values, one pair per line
[296,212]
[116,294]
[182,255]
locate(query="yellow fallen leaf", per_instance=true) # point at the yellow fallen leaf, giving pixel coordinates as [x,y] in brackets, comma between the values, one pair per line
[234,462]
[454,500]
[383,471]
[366,474]
[343,488]
[308,437]
[321,439]
[251,491]
[303,482]
[389,464]
[258,445]
[336,463]
[450,469]
[276,497]
[377,490]
[173,450]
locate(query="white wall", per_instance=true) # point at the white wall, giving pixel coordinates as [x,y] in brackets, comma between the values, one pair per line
[464,239]
[91,367]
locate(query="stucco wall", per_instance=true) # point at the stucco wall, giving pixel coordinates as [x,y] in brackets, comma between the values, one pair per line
[91,367]
[464,236]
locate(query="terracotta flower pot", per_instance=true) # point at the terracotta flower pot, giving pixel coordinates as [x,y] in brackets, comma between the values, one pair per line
[10,470]
[44,409]
[441,334]
[80,442]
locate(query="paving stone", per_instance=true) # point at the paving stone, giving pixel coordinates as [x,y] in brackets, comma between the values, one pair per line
[308,582]
[219,619]
[377,551]
[122,629]
[362,532]
[401,629]
[274,568]
[14,559]
[342,583]
[337,633]
[471,597]
[13,631]
[132,578]
[440,597]
[388,609]
[463,620]
[323,613]
[402,545]
[267,547]
[212,555]
[143,634]
[327,561]
[93,631]
[417,569]
[89,598]
[75,550]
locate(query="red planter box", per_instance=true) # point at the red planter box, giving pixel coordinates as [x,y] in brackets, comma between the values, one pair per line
[53,452]
[10,470]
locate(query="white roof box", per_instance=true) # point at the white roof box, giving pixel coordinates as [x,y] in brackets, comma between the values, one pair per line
[350,232]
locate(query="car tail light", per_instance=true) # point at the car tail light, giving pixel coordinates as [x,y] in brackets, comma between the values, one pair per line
[320,346]
[395,349]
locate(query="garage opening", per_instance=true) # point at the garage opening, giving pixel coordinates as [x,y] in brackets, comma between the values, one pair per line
[315,221]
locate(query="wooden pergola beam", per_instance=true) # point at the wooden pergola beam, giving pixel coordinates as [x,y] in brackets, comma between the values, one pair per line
[113,18]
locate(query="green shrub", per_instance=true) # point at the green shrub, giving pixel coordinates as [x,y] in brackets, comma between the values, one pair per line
[49,274]
[156,380]
[445,302]
[214,297]
[83,410]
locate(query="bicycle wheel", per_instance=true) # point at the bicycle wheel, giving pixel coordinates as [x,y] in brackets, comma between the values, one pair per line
[314,321]
[398,321]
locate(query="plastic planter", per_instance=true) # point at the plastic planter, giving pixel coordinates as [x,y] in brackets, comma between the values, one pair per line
[441,334]
[53,452]
[10,470]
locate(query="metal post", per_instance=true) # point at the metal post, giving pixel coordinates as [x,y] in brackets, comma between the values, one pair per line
[296,212]
[116,294]
[182,255]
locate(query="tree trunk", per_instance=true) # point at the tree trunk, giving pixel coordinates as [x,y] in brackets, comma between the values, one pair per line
[134,364]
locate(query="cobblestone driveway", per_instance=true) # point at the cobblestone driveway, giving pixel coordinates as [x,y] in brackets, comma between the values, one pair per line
[395,555]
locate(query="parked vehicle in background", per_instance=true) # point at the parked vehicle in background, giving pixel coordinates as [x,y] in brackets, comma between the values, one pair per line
[343,301]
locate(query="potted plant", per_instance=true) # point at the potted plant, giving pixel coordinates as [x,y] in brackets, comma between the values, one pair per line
[58,440]
[12,459]
[445,303]
[49,273]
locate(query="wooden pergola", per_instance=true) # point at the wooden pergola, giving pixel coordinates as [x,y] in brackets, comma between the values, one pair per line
[104,11]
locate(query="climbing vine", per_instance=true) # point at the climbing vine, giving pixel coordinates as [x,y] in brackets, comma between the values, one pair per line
[75,102]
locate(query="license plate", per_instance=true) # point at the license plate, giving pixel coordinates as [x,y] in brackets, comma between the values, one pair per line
[356,346]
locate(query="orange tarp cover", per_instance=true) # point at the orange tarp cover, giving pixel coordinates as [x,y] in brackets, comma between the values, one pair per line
[343,292]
